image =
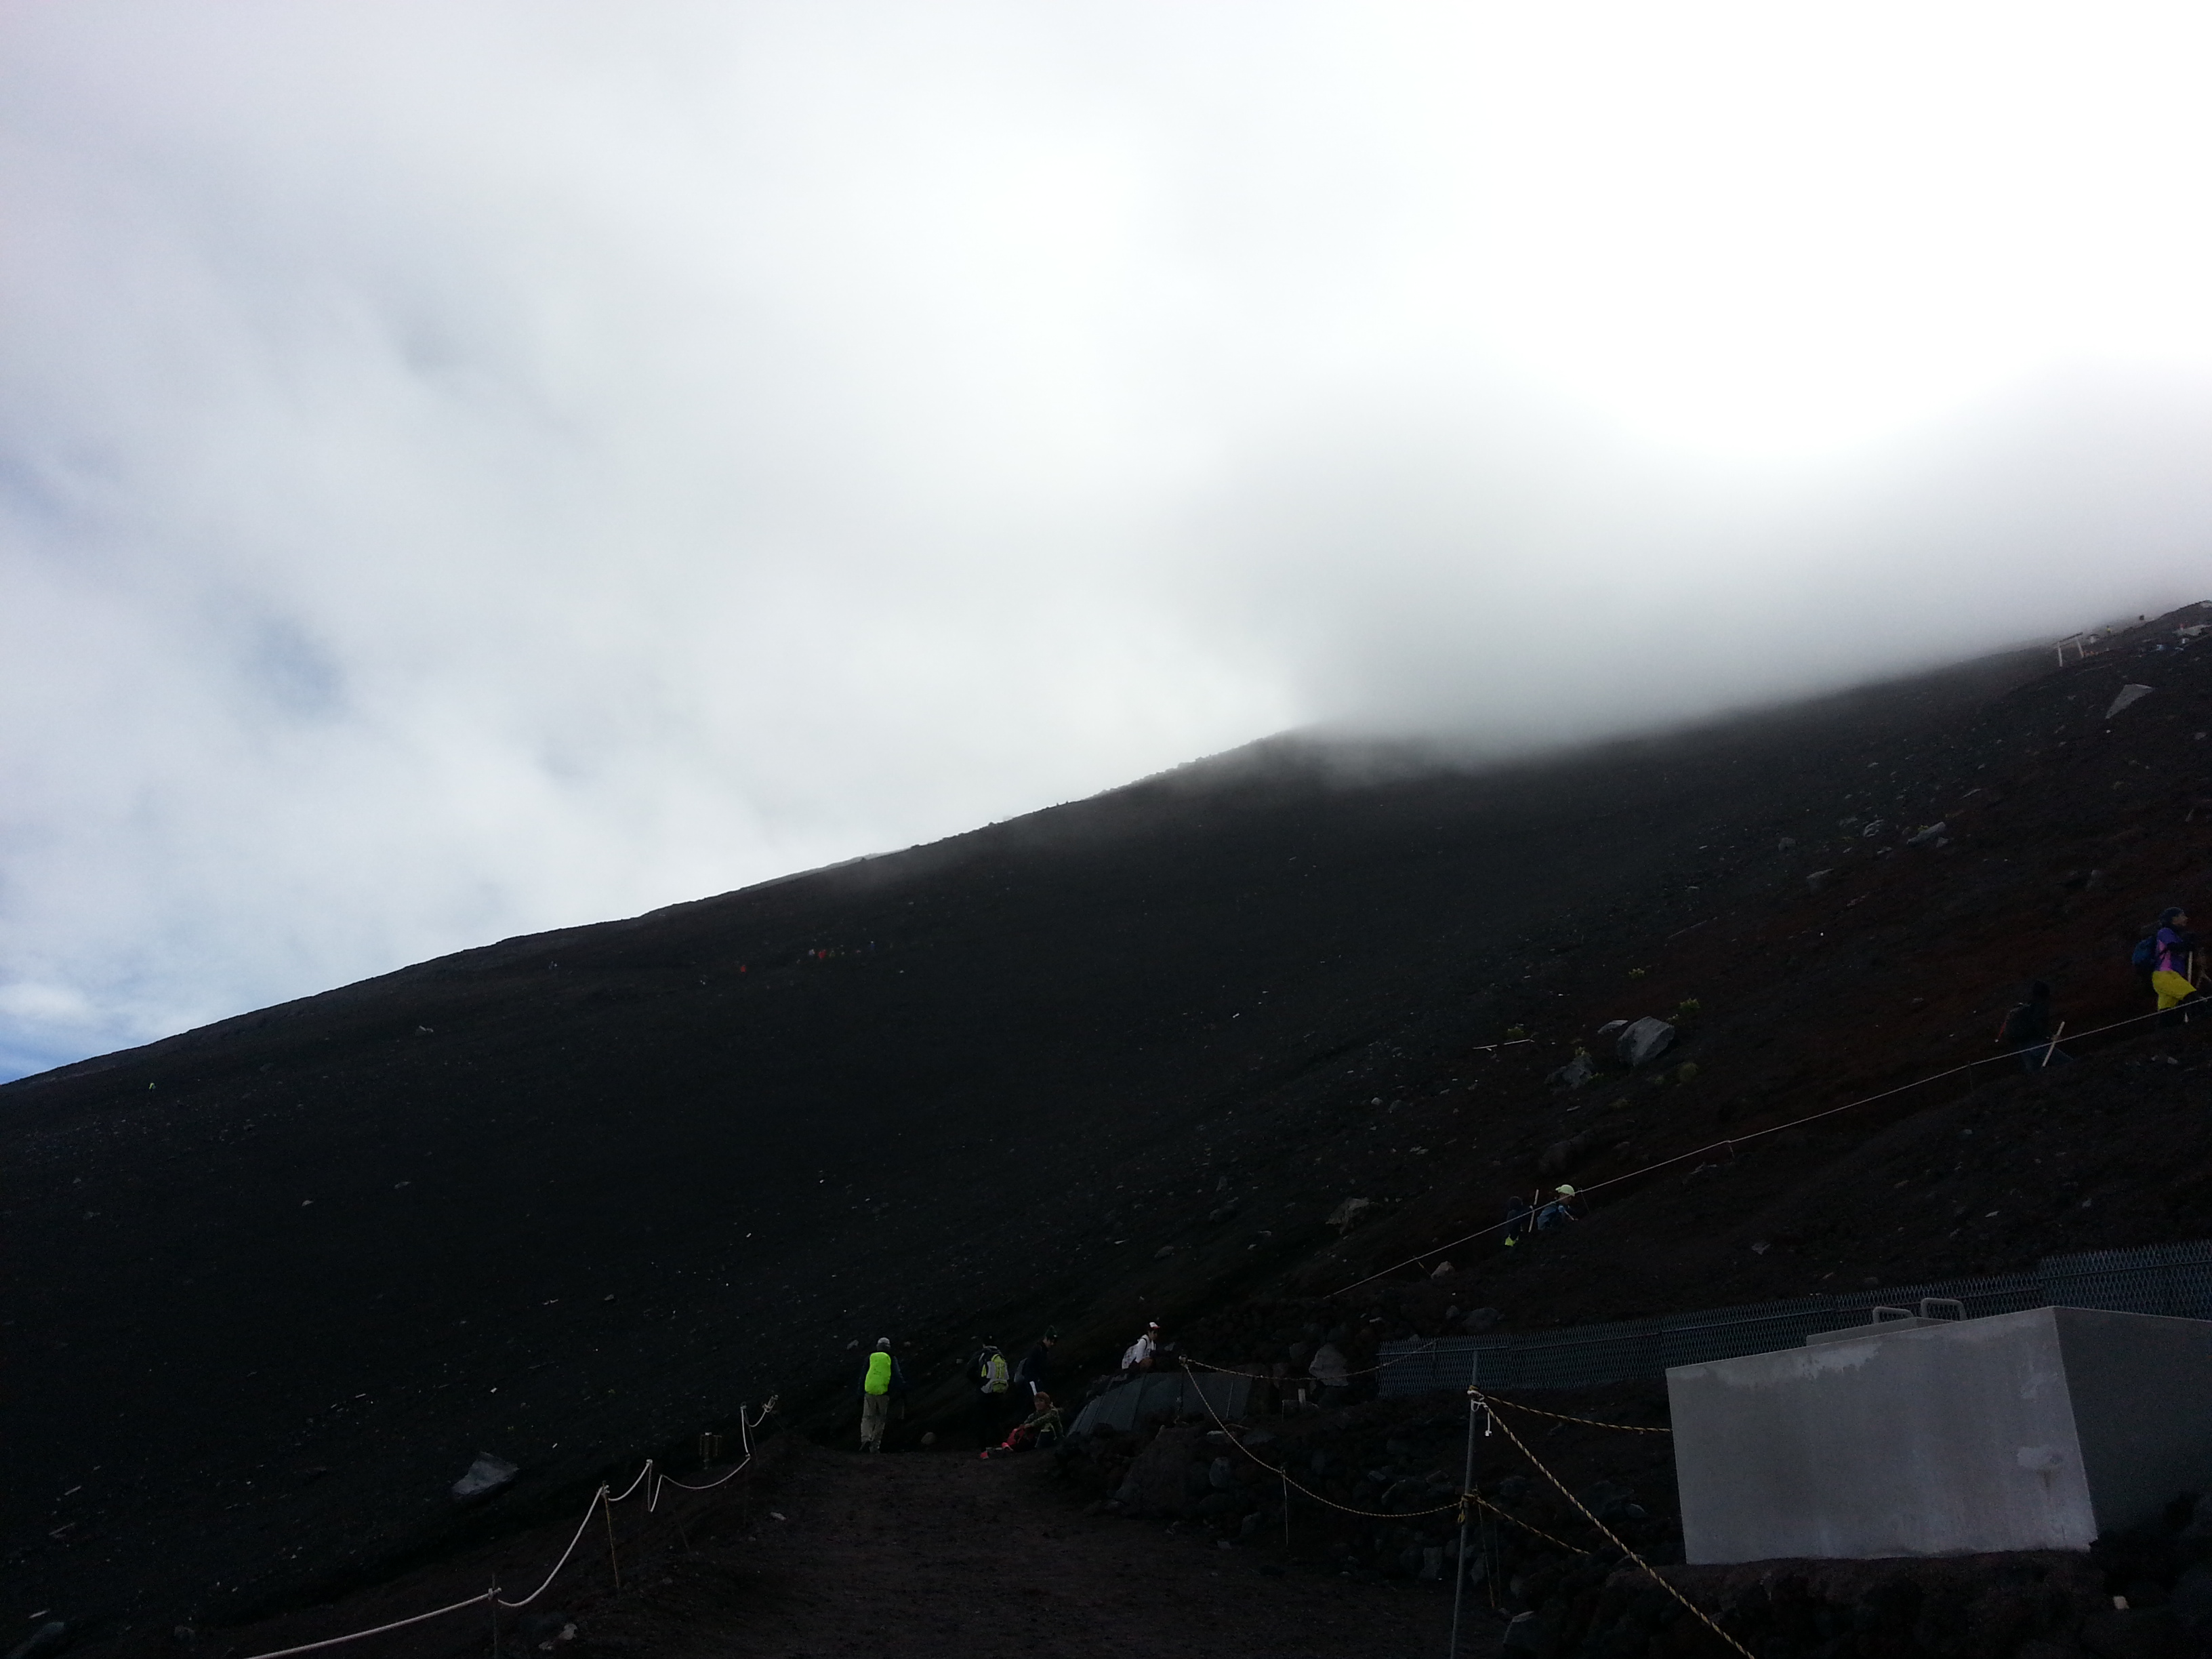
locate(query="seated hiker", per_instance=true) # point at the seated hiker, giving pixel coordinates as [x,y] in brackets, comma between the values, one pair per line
[1045,1426]
[2170,954]
[2026,1031]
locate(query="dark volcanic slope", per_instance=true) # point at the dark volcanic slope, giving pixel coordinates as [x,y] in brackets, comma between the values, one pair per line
[569,1197]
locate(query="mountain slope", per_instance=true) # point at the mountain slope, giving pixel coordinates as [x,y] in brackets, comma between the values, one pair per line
[574,1196]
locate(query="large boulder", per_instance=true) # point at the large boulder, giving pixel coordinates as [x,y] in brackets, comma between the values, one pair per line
[2129,695]
[1644,1041]
[1159,1480]
[487,1475]
[1575,1073]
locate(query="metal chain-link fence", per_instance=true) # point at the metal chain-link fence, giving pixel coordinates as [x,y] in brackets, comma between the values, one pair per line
[2159,1279]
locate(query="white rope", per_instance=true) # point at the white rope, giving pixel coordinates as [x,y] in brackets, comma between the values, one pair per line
[396,1623]
[1734,1141]
[598,1497]
[604,1495]
[633,1485]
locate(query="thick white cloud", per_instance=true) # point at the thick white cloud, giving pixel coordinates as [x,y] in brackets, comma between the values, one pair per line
[466,468]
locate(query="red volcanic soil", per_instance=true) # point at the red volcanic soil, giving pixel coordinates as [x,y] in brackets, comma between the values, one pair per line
[572,1199]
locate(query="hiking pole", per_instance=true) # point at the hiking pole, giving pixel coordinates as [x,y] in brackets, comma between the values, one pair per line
[2053,1048]
[1466,1485]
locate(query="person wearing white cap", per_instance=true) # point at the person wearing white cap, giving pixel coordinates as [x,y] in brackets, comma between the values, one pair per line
[1138,1356]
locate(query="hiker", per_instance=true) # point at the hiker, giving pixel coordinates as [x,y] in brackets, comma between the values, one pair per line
[1136,1357]
[1560,1211]
[878,1383]
[993,1383]
[2026,1031]
[1044,1426]
[1329,1368]
[2169,955]
[1518,1214]
[1036,1369]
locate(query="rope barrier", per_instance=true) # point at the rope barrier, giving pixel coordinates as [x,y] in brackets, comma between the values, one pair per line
[598,1497]
[1587,1422]
[1372,1515]
[1463,1499]
[477,1600]
[603,1501]
[1703,1617]
[1734,1141]
[1366,1370]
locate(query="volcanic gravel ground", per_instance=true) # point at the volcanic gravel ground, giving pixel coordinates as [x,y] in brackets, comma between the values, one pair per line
[829,1552]
[572,1199]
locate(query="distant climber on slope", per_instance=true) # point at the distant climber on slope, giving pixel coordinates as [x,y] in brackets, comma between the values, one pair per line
[2170,954]
[2026,1031]
[1566,1206]
[1519,1214]
[882,1379]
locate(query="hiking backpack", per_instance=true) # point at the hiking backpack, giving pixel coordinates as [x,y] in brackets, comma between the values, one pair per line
[2144,958]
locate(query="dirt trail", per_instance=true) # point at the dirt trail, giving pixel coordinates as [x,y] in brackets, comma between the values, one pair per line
[929,1553]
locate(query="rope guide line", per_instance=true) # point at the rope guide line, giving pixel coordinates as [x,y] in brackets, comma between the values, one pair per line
[1464,1498]
[1649,1571]
[603,1501]
[1734,1141]
[1372,1515]
[1588,1422]
[1367,1371]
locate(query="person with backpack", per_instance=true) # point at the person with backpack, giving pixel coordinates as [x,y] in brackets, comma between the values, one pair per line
[2026,1031]
[1136,1357]
[882,1379]
[993,1380]
[2167,960]
[1035,1370]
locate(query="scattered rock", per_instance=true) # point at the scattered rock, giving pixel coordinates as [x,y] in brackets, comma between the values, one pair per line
[1345,1216]
[45,1639]
[1481,1320]
[1785,843]
[1443,1270]
[1645,1040]
[1878,827]
[1932,832]
[1611,1029]
[1818,880]
[2129,695]
[1164,1253]
[488,1474]
[1573,1075]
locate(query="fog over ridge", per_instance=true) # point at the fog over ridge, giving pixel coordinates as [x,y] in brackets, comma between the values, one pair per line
[470,469]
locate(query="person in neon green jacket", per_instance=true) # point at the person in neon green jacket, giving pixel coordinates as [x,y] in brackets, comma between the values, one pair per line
[882,1379]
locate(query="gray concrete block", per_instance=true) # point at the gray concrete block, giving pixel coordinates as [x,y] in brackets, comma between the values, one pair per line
[1130,1403]
[2032,1431]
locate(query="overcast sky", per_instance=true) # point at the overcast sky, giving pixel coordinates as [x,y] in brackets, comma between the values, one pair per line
[468,468]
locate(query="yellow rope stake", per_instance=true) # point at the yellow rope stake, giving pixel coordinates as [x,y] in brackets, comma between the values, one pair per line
[1651,1571]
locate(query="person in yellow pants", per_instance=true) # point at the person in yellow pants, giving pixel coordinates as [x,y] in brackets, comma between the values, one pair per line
[2173,953]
